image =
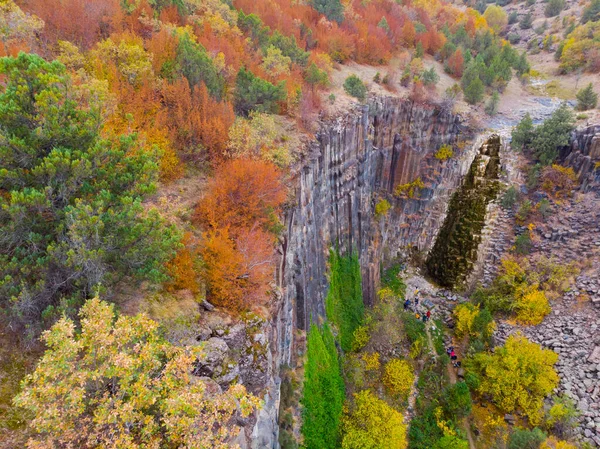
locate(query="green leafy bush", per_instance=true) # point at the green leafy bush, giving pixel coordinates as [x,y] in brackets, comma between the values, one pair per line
[355,87]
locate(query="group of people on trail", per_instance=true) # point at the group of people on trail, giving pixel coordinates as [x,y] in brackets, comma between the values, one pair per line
[408,306]
[453,356]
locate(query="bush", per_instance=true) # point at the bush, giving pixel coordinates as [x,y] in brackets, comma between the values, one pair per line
[391,279]
[444,153]
[513,17]
[554,7]
[456,400]
[474,91]
[398,378]
[558,181]
[562,416]
[430,77]
[526,21]
[355,87]
[526,439]
[372,423]
[509,198]
[382,207]
[491,108]
[523,244]
[522,135]
[532,307]
[587,98]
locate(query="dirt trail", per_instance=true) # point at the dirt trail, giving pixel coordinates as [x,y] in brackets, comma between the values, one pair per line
[453,380]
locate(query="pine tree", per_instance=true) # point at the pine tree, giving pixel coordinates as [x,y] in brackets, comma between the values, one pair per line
[333,9]
[474,91]
[587,98]
[522,134]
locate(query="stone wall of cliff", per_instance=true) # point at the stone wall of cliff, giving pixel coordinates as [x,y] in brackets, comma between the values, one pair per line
[355,162]
[583,154]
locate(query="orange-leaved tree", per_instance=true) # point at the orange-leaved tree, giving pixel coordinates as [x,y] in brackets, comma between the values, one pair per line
[242,194]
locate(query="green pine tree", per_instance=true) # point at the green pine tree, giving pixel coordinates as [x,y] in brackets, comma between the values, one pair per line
[587,98]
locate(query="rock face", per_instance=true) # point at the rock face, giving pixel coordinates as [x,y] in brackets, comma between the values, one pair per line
[583,154]
[456,248]
[355,162]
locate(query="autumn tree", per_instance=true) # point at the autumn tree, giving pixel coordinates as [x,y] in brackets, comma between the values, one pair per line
[118,383]
[71,217]
[455,63]
[242,194]
[372,423]
[518,376]
[332,9]
[237,271]
[496,18]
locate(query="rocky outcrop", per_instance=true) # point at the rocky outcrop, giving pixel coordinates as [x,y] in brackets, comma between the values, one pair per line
[583,154]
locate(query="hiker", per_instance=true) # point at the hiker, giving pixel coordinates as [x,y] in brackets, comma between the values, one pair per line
[424,318]
[417,316]
[406,304]
[428,315]
[453,355]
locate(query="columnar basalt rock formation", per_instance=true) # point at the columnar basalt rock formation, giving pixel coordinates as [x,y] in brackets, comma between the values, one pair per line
[583,154]
[354,162]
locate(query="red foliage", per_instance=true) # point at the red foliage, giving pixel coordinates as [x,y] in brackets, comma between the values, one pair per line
[244,193]
[195,121]
[81,22]
[456,63]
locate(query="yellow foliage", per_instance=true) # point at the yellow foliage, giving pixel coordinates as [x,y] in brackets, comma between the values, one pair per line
[553,443]
[464,316]
[532,306]
[444,153]
[373,424]
[409,189]
[361,338]
[371,360]
[260,136]
[518,376]
[398,378]
[443,425]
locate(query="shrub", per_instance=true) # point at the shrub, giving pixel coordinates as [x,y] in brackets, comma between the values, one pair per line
[523,212]
[491,108]
[430,77]
[558,181]
[562,416]
[553,134]
[587,98]
[523,244]
[361,337]
[355,87]
[444,153]
[553,443]
[518,376]
[526,21]
[464,316]
[372,423]
[382,207]
[522,135]
[474,91]
[456,400]
[496,18]
[391,279]
[532,307]
[398,378]
[409,189]
[509,198]
[525,438]
[554,7]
